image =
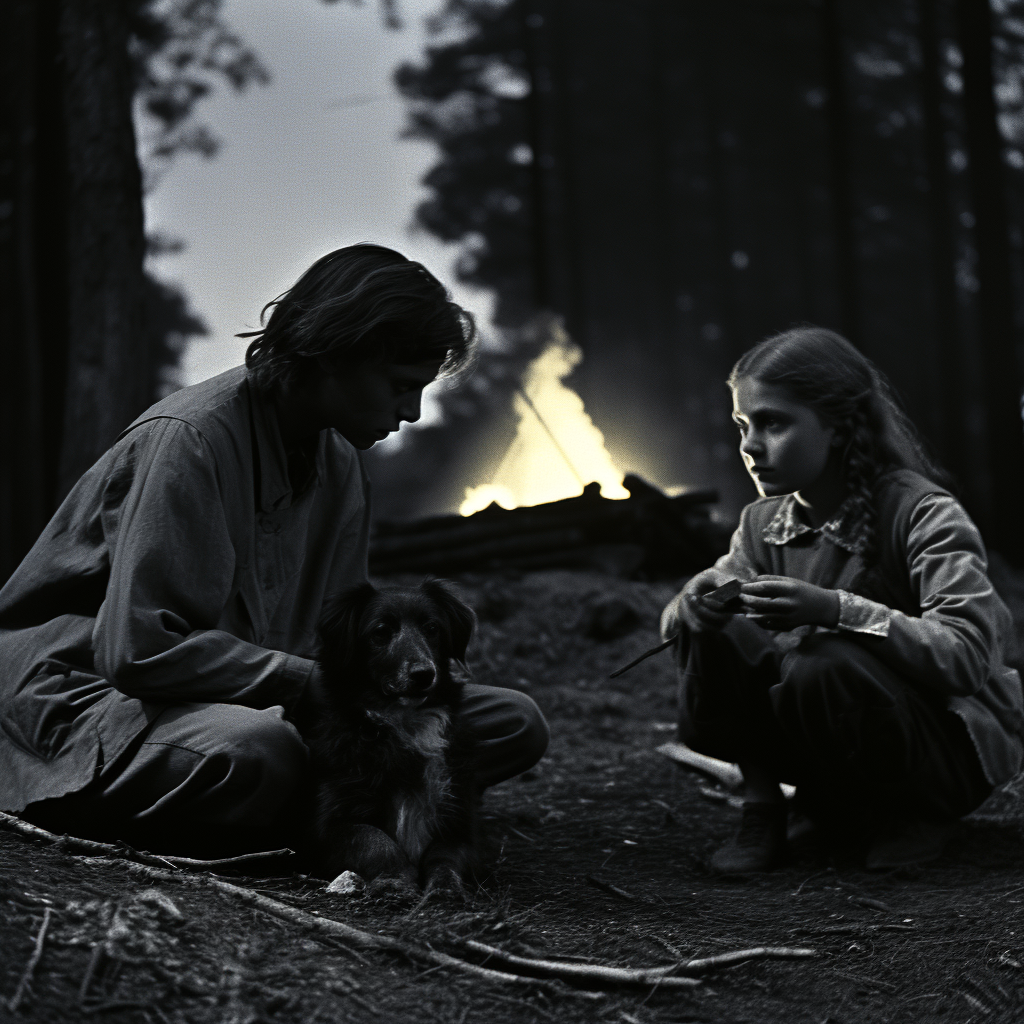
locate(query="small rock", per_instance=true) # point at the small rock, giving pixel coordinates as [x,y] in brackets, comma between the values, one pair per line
[346,883]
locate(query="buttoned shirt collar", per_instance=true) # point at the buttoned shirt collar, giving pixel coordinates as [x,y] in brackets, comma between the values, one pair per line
[788,523]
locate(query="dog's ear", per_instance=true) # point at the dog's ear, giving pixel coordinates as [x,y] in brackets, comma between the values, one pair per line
[338,629]
[460,618]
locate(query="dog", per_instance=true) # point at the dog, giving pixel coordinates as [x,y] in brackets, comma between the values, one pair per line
[394,795]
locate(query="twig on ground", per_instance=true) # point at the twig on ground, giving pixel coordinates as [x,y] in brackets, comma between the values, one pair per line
[26,977]
[608,887]
[225,862]
[94,962]
[817,874]
[672,950]
[710,963]
[661,976]
[581,972]
[124,851]
[326,926]
[871,904]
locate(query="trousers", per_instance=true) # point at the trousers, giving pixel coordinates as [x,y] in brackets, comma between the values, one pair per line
[830,717]
[209,780]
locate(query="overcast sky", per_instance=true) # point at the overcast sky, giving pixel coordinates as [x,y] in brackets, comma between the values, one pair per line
[308,163]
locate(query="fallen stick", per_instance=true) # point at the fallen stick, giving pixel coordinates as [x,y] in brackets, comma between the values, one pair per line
[727,774]
[336,929]
[608,887]
[661,976]
[123,851]
[26,977]
[25,828]
[225,862]
[584,972]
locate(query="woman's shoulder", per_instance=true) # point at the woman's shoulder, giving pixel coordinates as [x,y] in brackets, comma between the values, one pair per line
[904,489]
[208,406]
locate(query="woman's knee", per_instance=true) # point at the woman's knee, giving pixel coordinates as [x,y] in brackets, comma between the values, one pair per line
[528,728]
[254,753]
[507,730]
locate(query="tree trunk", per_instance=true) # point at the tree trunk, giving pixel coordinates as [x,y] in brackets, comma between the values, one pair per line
[107,382]
[75,370]
[1001,366]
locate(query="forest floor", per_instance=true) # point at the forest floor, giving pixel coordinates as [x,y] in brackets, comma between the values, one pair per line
[599,854]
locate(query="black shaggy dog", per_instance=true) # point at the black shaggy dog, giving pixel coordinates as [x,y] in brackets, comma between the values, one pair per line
[394,793]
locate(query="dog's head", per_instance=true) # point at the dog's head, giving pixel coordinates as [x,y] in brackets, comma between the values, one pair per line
[395,644]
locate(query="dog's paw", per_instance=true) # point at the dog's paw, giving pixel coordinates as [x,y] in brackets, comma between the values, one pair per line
[348,883]
[445,883]
[393,889]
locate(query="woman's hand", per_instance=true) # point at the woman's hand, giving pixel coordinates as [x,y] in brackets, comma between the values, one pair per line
[779,602]
[688,608]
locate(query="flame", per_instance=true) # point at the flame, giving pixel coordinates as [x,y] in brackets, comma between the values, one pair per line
[546,463]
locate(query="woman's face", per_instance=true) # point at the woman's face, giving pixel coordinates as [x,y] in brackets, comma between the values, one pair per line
[784,445]
[367,402]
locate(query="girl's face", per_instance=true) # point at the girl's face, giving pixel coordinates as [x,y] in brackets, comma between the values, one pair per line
[784,444]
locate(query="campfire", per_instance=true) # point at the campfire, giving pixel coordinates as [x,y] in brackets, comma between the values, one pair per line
[556,499]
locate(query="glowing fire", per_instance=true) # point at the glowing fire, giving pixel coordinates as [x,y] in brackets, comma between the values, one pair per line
[557,449]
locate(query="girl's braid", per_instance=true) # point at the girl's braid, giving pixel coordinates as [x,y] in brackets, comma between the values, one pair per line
[862,468]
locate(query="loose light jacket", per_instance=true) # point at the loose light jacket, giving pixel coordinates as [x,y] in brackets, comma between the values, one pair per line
[182,567]
[927,609]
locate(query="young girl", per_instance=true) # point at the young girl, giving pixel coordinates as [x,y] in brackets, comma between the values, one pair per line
[866,662]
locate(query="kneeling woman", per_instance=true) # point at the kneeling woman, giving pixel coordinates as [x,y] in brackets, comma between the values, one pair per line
[866,661]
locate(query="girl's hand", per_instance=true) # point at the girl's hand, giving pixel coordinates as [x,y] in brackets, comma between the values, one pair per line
[779,602]
[688,608]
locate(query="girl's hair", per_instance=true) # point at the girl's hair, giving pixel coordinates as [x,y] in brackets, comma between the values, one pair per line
[822,370]
[361,304]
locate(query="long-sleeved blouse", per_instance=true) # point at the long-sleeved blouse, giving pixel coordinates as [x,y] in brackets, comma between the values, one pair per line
[184,566]
[928,610]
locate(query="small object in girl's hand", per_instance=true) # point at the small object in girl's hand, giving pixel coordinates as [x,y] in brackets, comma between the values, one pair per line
[663,646]
[725,599]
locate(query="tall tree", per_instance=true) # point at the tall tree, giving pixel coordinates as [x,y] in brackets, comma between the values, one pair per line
[85,334]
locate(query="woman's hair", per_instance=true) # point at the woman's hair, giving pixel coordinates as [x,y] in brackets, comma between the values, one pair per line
[822,370]
[361,304]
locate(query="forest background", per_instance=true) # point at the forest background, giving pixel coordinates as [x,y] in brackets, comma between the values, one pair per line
[671,181]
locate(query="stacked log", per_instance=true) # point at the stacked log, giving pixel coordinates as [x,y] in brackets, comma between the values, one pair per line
[648,534]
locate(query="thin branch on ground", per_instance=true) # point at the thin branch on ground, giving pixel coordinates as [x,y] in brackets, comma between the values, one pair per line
[614,889]
[336,929]
[662,976]
[582,972]
[126,852]
[26,977]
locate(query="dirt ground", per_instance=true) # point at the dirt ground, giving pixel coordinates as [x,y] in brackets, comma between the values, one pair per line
[599,853]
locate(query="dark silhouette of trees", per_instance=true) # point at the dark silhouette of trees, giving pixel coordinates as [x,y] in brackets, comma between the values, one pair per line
[87,335]
[678,180]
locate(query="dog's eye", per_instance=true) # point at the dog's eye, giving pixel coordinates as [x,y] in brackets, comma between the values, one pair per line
[431,629]
[380,633]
